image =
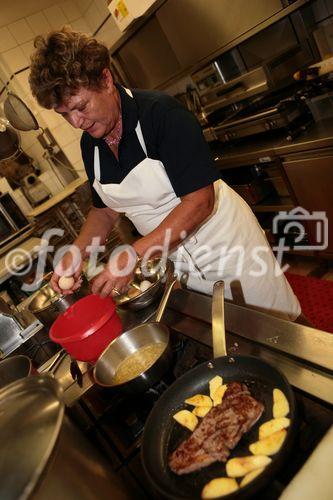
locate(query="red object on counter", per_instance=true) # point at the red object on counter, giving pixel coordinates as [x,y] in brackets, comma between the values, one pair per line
[316,298]
[87,327]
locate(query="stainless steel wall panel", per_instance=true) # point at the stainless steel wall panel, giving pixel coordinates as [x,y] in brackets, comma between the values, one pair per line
[147,58]
[197,28]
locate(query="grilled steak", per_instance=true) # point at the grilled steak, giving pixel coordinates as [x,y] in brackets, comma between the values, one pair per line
[219,431]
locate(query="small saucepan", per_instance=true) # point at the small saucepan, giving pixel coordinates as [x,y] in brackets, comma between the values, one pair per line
[146,346]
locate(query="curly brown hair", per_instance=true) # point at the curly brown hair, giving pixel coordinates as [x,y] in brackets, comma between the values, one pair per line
[63,62]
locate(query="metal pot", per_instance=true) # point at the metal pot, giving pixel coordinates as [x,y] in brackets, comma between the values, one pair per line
[14,368]
[128,343]
[48,304]
[43,455]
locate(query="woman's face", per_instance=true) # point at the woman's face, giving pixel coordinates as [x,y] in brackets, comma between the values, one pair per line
[95,111]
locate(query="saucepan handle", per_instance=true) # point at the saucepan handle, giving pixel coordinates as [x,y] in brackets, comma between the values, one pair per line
[218,327]
[165,297]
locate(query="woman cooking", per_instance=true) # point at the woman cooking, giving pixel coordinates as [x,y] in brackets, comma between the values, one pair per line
[145,156]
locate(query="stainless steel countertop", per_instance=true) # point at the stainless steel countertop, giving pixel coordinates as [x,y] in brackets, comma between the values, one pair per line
[319,135]
[303,354]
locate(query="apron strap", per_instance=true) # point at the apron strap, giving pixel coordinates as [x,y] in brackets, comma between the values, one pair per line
[97,165]
[138,129]
[140,137]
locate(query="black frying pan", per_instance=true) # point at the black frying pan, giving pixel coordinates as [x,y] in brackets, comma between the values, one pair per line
[162,434]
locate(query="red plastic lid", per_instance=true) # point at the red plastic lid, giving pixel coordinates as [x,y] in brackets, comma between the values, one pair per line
[83,318]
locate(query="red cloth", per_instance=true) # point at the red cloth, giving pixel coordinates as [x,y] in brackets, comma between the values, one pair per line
[316,299]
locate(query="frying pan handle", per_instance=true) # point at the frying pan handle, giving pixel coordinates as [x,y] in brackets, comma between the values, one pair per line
[218,328]
[165,297]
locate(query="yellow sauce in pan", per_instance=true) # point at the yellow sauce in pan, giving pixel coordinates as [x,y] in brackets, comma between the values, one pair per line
[138,362]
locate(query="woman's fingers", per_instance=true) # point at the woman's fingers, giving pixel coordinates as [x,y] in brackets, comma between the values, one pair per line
[98,283]
[54,282]
[106,290]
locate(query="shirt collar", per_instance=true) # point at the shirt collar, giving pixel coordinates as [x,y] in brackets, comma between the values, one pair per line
[129,111]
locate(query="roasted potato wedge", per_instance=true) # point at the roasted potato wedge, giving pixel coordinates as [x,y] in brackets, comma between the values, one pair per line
[274,425]
[214,383]
[219,487]
[250,476]
[199,400]
[218,394]
[240,466]
[201,411]
[280,404]
[186,419]
[270,445]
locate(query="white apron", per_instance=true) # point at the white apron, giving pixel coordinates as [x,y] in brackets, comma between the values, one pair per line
[219,249]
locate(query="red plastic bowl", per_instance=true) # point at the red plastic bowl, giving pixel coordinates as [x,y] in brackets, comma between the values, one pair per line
[87,327]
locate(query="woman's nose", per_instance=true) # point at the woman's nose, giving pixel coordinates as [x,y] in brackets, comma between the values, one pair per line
[75,119]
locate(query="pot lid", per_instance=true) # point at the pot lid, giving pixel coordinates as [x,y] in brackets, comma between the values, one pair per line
[31,414]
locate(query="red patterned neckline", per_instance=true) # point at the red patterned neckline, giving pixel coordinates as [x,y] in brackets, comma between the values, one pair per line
[114,137]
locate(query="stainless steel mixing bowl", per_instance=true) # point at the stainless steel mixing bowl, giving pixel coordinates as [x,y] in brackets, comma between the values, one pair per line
[156,271]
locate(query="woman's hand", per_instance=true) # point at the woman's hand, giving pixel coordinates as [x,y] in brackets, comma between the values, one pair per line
[116,275]
[70,265]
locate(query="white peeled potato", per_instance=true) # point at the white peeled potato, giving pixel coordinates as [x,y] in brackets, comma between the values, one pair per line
[274,425]
[186,419]
[66,282]
[250,476]
[214,383]
[144,285]
[218,394]
[269,445]
[240,466]
[199,400]
[201,411]
[219,487]
[280,404]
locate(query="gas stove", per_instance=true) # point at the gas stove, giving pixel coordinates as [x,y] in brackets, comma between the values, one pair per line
[115,421]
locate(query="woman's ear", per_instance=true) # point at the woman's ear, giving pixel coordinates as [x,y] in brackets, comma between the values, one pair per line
[108,79]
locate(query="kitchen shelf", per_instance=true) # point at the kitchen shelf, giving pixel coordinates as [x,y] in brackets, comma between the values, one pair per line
[274,203]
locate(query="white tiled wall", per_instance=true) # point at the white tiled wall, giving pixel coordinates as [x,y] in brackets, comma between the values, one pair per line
[39,23]
[16,46]
[109,32]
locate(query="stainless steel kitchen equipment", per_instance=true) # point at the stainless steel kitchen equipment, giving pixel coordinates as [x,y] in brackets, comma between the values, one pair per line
[162,435]
[14,368]
[238,100]
[154,270]
[48,304]
[15,328]
[43,455]
[303,354]
[218,326]
[12,220]
[22,118]
[130,342]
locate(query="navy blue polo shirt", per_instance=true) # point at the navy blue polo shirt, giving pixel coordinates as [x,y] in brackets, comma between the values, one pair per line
[171,134]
